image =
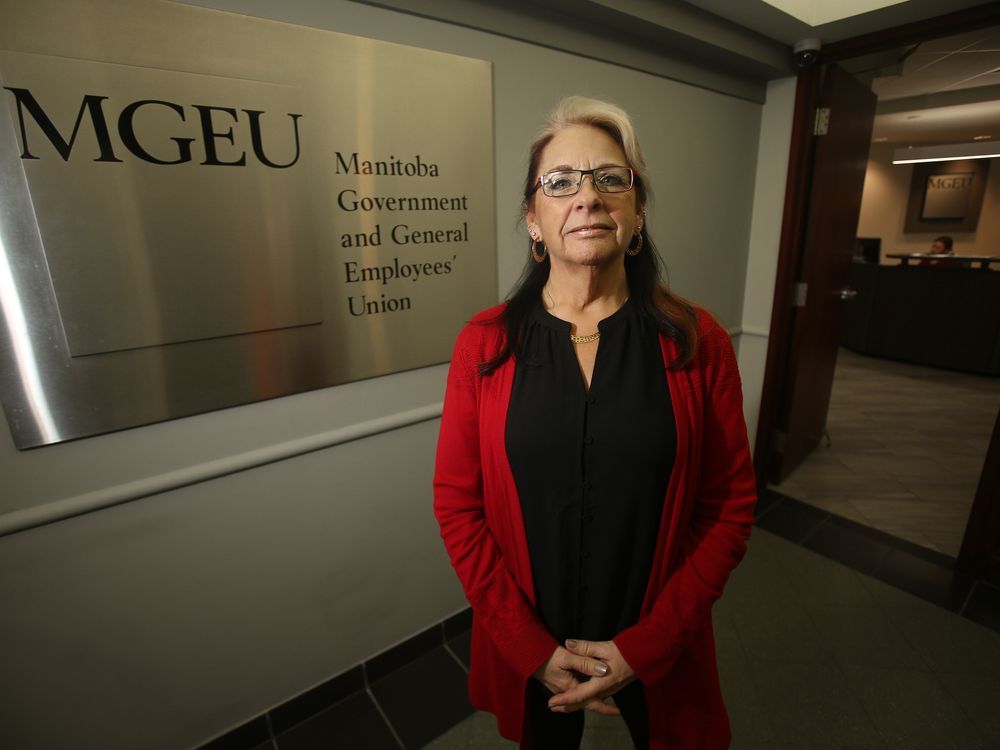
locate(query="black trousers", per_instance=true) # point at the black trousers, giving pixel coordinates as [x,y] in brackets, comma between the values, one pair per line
[544,730]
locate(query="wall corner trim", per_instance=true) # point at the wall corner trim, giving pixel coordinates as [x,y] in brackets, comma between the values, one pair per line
[754,331]
[62,509]
[743,330]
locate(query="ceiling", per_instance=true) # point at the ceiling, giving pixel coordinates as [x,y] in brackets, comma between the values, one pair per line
[944,90]
[947,91]
[783,27]
[965,61]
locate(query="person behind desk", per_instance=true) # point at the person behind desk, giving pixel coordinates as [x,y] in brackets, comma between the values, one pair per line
[942,246]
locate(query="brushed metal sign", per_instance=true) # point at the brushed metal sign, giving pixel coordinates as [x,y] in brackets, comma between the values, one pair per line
[200,209]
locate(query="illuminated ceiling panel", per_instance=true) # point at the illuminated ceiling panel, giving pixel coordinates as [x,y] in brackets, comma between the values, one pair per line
[818,12]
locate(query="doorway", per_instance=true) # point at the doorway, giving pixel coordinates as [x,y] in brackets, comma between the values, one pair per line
[904,443]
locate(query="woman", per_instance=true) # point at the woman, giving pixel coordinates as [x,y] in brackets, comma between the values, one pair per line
[943,245]
[593,482]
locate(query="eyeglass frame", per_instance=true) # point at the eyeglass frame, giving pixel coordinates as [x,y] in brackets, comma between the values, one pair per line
[583,173]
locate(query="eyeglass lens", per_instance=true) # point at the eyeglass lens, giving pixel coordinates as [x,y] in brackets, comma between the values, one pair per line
[568,181]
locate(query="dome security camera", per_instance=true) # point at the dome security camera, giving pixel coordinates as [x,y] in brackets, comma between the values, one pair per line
[806,51]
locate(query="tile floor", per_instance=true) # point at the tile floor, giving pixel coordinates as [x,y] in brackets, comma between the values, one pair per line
[908,444]
[813,654]
[830,635]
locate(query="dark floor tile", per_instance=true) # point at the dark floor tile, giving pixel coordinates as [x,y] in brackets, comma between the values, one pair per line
[244,737]
[458,623]
[766,501]
[353,723]
[895,542]
[424,698]
[759,578]
[410,649]
[924,553]
[984,606]
[744,702]
[318,699]
[792,520]
[864,636]
[478,732]
[779,633]
[912,709]
[847,545]
[948,644]
[461,646]
[727,640]
[931,582]
[979,696]
[817,580]
[811,705]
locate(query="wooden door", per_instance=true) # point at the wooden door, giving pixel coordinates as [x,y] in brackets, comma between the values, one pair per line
[980,554]
[846,113]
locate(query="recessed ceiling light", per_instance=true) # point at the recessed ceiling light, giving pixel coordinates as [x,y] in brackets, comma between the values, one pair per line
[982,137]
[880,139]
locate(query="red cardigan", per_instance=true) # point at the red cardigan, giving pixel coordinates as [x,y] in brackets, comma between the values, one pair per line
[707,515]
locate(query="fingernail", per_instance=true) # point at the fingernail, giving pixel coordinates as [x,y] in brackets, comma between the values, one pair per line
[570,644]
[601,668]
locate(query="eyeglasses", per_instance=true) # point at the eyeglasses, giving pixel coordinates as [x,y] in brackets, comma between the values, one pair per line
[561,183]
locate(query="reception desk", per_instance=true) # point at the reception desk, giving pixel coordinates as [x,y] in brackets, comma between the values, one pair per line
[929,315]
[957,261]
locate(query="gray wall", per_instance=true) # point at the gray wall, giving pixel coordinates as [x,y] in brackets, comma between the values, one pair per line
[207,594]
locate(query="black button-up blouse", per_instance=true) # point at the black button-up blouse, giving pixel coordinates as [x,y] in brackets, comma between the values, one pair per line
[591,469]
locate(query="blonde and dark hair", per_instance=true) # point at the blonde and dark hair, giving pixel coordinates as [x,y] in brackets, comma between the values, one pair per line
[612,119]
[671,314]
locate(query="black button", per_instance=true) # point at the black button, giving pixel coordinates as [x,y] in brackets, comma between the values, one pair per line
[587,485]
[589,440]
[585,556]
[591,399]
[583,589]
[588,518]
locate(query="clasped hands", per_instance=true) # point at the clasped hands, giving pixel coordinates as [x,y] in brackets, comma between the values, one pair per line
[600,660]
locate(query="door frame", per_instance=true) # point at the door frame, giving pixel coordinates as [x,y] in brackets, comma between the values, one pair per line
[979,555]
[798,188]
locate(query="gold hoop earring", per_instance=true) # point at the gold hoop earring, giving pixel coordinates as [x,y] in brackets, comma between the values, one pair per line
[539,257]
[634,250]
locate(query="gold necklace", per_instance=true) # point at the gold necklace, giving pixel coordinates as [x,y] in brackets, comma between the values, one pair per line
[573,337]
[584,339]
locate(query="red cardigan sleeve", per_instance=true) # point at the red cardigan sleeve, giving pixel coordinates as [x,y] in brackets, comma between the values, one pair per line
[497,601]
[715,540]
